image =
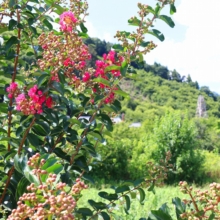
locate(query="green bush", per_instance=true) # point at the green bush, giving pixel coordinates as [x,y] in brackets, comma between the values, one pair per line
[174,132]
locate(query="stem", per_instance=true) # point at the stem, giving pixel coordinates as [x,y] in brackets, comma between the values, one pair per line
[13,78]
[123,194]
[25,136]
[11,171]
[193,200]
[84,134]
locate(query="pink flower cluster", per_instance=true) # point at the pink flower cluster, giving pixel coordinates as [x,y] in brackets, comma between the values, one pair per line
[12,90]
[108,60]
[67,21]
[86,77]
[30,103]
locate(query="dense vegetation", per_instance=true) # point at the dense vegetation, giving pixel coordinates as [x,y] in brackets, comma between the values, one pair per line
[159,94]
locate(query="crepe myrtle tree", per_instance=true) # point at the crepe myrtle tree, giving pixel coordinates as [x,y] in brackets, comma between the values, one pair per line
[47,148]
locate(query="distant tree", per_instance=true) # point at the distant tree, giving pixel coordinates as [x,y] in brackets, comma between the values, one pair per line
[176,76]
[188,79]
[176,133]
[209,92]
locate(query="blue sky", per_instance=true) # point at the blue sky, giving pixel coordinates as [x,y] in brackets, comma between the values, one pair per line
[191,47]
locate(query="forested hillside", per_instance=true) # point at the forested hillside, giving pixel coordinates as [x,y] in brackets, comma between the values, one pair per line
[155,88]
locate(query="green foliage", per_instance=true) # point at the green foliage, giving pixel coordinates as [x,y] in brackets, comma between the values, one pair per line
[176,134]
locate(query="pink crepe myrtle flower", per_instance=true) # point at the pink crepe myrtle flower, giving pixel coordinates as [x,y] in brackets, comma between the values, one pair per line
[82,64]
[49,102]
[86,77]
[67,20]
[12,89]
[110,98]
[33,102]
[68,62]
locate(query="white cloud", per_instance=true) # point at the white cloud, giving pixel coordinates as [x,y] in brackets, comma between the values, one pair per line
[199,53]
[94,32]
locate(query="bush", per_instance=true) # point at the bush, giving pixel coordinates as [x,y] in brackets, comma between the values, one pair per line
[175,133]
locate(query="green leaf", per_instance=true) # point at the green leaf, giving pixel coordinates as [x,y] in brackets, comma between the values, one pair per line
[81,162]
[106,121]
[58,87]
[42,79]
[13,40]
[88,178]
[39,130]
[61,77]
[90,148]
[141,195]
[108,196]
[3,149]
[103,81]
[134,21]
[21,187]
[159,215]
[11,3]
[157,34]
[56,168]
[97,205]
[60,153]
[19,131]
[138,182]
[31,21]
[117,47]
[12,23]
[211,217]
[167,20]
[29,7]
[151,188]
[122,189]
[141,57]
[29,53]
[180,207]
[172,9]
[150,9]
[3,131]
[48,24]
[19,25]
[83,35]
[85,212]
[124,67]
[157,9]
[59,10]
[96,134]
[83,28]
[56,131]
[20,162]
[144,44]
[116,105]
[33,139]
[105,216]
[127,203]
[122,93]
[112,67]
[49,162]
[33,30]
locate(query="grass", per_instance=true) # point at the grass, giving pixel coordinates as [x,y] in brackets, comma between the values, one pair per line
[137,211]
